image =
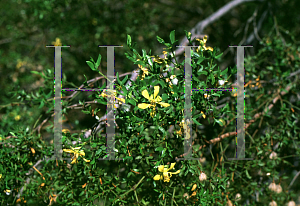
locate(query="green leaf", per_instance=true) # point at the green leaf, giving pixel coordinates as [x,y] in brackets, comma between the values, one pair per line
[217,57]
[82,193]
[162,129]
[224,71]
[247,174]
[159,149]
[172,36]
[200,59]
[91,65]
[129,41]
[42,104]
[35,72]
[98,61]
[160,40]
[124,80]
[196,122]
[118,78]
[188,35]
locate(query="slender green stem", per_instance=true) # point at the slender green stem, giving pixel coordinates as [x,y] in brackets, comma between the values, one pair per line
[291,104]
[37,121]
[104,76]
[137,200]
[134,187]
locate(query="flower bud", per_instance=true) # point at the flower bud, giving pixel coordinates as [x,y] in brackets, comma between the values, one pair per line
[185,195]
[238,197]
[273,187]
[228,183]
[202,177]
[202,160]
[273,203]
[273,155]
[278,189]
[291,203]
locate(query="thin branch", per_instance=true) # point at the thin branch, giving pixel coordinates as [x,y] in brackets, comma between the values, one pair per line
[262,18]
[199,28]
[28,179]
[91,81]
[293,180]
[256,116]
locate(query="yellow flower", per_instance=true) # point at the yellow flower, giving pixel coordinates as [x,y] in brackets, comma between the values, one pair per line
[17,118]
[203,115]
[194,187]
[153,100]
[109,93]
[65,130]
[202,44]
[20,63]
[7,191]
[77,152]
[170,83]
[166,175]
[57,42]
[145,71]
[0,176]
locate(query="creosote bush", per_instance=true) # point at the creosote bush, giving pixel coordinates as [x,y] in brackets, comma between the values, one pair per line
[150,173]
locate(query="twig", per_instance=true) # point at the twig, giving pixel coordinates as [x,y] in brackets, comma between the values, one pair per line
[133,188]
[28,179]
[256,116]
[199,28]
[251,37]
[293,180]
[91,81]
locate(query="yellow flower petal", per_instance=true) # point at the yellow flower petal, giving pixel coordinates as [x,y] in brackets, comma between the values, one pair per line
[172,166]
[151,97]
[76,148]
[156,91]
[178,171]
[161,168]
[157,177]
[145,94]
[167,179]
[121,99]
[74,161]
[81,153]
[68,150]
[143,106]
[203,115]
[194,187]
[164,104]
[86,160]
